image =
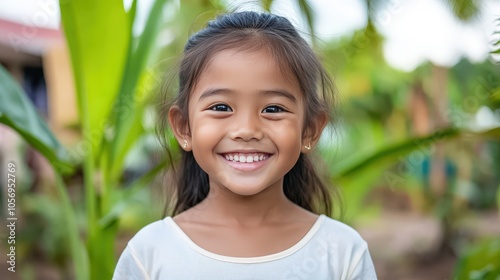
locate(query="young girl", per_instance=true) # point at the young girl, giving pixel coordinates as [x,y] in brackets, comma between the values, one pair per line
[252,103]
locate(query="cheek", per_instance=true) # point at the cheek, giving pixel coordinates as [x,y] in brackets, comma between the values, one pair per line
[203,129]
[288,135]
[205,136]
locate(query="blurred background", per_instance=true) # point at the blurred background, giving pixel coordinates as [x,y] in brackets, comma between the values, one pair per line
[415,154]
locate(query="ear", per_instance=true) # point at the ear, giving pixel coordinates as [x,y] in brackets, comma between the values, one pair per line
[180,127]
[313,133]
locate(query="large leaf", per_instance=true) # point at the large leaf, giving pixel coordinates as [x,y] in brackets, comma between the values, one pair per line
[389,153]
[98,35]
[129,106]
[17,112]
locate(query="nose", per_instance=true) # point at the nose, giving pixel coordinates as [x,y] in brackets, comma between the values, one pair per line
[246,126]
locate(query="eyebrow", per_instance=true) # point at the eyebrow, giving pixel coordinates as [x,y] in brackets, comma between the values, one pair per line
[225,91]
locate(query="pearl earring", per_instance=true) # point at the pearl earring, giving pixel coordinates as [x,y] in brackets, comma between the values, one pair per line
[185,144]
[308,146]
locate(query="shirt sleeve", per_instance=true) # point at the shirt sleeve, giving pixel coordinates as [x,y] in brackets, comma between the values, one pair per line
[129,267]
[364,270]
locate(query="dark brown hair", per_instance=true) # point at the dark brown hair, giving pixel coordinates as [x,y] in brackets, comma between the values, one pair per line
[252,31]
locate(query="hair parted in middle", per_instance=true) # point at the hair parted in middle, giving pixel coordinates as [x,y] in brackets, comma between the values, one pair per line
[253,31]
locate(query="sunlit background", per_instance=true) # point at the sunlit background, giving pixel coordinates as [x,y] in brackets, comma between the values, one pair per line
[415,153]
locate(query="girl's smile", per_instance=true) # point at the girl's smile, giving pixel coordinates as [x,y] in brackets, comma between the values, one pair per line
[246,160]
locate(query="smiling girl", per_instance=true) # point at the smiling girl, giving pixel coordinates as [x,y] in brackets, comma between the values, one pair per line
[252,103]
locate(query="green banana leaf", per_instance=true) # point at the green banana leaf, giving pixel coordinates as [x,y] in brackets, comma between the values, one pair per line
[131,101]
[98,36]
[17,112]
[392,152]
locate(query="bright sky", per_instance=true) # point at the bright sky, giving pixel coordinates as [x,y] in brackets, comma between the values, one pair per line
[416,31]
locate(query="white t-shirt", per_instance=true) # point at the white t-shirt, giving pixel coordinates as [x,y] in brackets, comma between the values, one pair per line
[330,250]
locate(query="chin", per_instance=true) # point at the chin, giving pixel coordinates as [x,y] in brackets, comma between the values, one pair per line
[245,190]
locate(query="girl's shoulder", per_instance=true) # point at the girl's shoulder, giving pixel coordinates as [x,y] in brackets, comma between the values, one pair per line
[154,234]
[339,232]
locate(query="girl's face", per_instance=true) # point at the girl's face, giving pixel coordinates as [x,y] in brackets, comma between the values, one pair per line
[246,121]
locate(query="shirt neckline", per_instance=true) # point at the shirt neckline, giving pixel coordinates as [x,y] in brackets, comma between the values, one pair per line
[267,258]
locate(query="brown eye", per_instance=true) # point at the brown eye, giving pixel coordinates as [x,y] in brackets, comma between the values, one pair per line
[273,109]
[221,108]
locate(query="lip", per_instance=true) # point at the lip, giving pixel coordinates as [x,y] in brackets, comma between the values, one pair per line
[246,166]
[243,151]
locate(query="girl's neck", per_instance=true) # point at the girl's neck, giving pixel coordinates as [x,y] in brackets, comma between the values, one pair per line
[269,206]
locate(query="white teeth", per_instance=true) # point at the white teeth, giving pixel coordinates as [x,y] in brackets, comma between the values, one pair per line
[245,157]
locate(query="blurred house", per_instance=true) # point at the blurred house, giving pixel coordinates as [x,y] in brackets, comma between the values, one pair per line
[38,58]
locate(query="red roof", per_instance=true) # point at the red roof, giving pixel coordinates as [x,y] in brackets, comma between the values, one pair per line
[27,39]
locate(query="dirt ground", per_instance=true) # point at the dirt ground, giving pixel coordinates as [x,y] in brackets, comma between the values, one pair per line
[396,239]
[402,244]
